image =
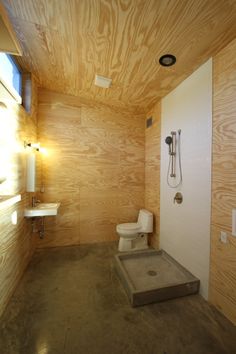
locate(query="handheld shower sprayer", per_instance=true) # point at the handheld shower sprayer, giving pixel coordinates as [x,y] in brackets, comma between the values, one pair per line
[172,141]
[168,141]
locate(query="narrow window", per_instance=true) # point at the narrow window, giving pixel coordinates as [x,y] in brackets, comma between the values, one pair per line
[10,76]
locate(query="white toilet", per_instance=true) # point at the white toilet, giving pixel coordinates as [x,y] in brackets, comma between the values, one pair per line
[133,236]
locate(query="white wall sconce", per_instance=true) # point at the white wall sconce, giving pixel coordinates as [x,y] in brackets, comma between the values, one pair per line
[35,146]
[32,148]
[31,171]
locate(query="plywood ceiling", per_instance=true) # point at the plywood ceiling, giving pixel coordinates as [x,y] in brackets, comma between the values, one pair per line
[65,42]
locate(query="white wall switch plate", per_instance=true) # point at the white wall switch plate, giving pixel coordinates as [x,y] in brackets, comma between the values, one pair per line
[223,237]
[234,222]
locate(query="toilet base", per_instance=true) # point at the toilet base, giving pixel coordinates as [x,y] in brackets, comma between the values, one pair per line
[139,243]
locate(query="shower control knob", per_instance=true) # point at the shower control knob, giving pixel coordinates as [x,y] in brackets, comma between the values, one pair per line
[178,198]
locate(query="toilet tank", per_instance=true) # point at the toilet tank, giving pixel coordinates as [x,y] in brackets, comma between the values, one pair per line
[145,219]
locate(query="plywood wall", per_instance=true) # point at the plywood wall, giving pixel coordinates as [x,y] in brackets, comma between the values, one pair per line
[16,241]
[223,256]
[94,167]
[152,170]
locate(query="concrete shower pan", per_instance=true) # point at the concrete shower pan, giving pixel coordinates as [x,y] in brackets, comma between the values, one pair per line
[151,276]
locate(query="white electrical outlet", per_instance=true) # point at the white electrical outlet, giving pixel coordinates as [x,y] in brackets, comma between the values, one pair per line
[223,237]
[234,222]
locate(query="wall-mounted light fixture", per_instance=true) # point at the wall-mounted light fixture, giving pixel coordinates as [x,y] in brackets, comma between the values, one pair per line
[35,146]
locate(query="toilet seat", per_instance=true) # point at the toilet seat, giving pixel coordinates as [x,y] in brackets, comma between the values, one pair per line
[129,228]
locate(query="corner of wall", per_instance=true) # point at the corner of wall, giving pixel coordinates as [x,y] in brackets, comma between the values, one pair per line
[152,170]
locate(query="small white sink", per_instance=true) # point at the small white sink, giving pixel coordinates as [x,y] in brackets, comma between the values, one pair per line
[42,209]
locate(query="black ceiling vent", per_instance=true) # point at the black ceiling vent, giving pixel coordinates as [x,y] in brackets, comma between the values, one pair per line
[149,122]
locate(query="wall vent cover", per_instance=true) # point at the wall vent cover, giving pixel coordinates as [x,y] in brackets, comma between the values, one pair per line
[101,81]
[149,122]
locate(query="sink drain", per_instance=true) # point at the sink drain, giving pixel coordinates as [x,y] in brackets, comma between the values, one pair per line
[152,273]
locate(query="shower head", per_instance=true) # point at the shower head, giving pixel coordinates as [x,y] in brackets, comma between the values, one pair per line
[168,140]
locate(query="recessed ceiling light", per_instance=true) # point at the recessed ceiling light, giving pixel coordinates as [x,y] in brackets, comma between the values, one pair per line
[167,60]
[101,81]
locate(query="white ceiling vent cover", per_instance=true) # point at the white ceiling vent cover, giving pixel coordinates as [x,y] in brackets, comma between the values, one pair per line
[102,81]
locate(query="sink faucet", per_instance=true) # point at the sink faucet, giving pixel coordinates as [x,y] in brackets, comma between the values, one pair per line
[34,201]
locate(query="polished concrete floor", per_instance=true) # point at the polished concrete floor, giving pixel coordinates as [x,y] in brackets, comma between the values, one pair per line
[70,301]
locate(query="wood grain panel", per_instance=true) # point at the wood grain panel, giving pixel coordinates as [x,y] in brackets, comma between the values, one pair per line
[223,256]
[97,145]
[130,176]
[16,241]
[132,155]
[98,215]
[64,230]
[121,40]
[130,201]
[98,176]
[9,42]
[95,162]
[152,170]
[58,176]
[101,116]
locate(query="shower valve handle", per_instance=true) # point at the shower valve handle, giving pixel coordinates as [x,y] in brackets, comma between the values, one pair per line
[178,198]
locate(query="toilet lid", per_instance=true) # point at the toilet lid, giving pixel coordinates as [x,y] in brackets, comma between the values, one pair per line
[129,226]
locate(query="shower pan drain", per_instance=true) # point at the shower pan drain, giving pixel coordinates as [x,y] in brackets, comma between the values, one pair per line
[152,273]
